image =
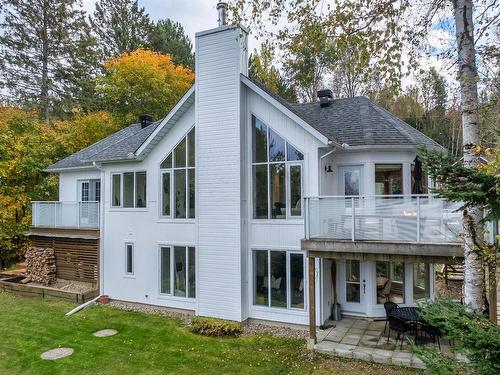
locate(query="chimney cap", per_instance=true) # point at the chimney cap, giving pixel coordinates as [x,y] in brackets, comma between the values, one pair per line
[325,93]
[145,120]
[222,9]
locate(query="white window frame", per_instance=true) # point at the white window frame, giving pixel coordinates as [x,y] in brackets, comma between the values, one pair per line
[172,180]
[131,244]
[172,270]
[288,280]
[268,163]
[134,207]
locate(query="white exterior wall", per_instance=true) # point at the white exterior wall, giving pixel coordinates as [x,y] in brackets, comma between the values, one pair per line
[219,64]
[278,234]
[68,183]
[145,228]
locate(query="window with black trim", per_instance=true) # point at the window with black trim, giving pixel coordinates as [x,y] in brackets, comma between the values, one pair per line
[276,174]
[129,259]
[178,180]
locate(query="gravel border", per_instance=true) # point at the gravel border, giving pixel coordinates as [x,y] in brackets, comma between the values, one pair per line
[250,327]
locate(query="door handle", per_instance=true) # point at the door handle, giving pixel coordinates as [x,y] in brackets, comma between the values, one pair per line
[364,286]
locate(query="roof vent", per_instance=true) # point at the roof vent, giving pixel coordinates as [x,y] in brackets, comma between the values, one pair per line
[325,97]
[222,9]
[145,120]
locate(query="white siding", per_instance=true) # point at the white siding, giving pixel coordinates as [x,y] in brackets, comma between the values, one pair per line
[68,183]
[145,229]
[218,68]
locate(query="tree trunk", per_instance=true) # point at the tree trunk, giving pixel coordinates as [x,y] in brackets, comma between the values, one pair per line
[467,77]
[44,93]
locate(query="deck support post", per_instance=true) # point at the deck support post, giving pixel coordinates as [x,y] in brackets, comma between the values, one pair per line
[312,304]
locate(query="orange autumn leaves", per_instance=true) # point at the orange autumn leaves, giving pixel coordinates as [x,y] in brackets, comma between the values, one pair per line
[143,82]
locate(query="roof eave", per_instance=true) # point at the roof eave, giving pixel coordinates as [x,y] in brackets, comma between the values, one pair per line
[69,169]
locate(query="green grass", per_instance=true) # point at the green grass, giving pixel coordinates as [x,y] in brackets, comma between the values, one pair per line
[146,344]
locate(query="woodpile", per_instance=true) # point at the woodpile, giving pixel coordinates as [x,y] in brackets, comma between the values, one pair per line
[41,265]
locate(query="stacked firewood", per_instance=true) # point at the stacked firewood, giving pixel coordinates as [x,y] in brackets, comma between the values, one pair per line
[41,265]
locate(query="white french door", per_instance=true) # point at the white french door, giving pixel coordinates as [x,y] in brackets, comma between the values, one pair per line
[353,286]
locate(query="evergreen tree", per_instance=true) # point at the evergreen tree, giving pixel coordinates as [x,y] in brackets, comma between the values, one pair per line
[121,26]
[169,37]
[47,55]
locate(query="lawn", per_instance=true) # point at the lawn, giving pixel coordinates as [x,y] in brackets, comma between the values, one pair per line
[146,344]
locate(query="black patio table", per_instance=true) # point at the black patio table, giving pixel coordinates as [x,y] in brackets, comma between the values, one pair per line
[410,315]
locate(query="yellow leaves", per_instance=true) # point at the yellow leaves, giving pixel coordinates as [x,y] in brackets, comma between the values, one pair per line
[142,82]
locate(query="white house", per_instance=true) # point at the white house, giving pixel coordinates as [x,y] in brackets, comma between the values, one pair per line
[220,207]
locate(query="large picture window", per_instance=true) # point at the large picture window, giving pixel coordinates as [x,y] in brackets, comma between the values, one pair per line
[178,271]
[277,174]
[388,179]
[128,190]
[178,180]
[278,279]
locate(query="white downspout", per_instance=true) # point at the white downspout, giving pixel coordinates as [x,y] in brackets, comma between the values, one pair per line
[101,228]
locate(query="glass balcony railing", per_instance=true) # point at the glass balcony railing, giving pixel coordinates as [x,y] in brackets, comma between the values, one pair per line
[416,218]
[83,215]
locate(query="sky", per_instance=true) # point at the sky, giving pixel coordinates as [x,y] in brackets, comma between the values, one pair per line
[199,15]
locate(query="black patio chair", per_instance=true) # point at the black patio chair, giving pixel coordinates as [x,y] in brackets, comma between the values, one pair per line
[434,332]
[388,306]
[400,326]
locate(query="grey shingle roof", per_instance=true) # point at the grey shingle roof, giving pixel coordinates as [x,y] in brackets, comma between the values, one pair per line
[356,121]
[117,146]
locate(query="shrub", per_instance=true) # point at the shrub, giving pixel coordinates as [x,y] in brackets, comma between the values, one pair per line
[471,334]
[215,327]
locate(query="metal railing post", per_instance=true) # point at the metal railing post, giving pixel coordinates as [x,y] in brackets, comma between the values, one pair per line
[418,219]
[353,219]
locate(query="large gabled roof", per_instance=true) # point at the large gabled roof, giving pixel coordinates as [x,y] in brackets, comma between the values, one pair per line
[356,122]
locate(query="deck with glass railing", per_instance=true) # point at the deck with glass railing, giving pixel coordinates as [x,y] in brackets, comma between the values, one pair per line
[415,218]
[78,215]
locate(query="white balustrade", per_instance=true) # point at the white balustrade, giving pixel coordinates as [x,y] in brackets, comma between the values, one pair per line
[416,218]
[65,214]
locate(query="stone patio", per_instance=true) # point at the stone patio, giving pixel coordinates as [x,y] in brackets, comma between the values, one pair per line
[365,340]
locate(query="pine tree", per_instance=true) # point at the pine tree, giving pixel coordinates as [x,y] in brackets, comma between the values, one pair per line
[169,37]
[121,26]
[47,55]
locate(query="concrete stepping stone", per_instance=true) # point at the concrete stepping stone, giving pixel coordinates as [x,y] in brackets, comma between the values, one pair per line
[53,354]
[105,333]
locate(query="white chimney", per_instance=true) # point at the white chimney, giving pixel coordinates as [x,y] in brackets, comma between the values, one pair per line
[221,57]
[222,9]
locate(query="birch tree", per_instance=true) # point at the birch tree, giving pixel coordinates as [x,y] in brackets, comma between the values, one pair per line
[385,29]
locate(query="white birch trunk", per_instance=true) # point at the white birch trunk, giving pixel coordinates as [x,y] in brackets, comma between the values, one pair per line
[467,76]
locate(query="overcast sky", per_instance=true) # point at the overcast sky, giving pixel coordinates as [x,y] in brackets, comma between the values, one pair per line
[199,15]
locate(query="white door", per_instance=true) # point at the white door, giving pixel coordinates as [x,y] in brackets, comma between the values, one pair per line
[353,279]
[84,196]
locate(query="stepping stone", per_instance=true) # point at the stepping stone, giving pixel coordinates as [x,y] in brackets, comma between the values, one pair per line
[105,333]
[53,354]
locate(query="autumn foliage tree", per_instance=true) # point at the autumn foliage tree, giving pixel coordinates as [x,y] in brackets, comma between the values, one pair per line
[143,82]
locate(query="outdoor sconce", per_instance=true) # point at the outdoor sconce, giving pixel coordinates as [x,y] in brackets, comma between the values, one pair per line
[329,169]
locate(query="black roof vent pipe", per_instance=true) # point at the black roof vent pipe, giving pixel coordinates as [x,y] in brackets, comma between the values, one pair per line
[325,97]
[145,120]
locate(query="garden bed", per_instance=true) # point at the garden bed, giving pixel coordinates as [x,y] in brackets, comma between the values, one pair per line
[62,289]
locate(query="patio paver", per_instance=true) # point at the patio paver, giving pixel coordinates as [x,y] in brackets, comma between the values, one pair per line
[366,340]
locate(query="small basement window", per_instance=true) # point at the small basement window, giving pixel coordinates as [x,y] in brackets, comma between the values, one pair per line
[129,259]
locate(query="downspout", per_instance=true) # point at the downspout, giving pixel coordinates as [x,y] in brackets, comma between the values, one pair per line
[101,228]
